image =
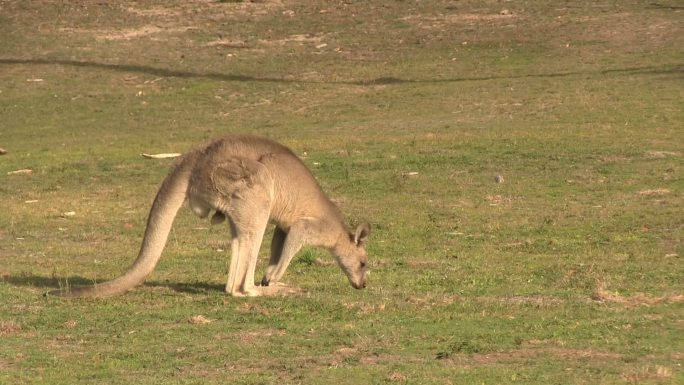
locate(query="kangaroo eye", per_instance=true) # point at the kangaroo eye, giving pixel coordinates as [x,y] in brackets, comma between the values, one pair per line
[362,264]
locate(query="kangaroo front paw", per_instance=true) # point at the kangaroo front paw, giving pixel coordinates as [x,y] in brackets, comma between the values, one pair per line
[274,289]
[279,288]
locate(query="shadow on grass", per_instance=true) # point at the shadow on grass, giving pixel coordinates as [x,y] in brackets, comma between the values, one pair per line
[46,282]
[189,288]
[49,283]
[167,72]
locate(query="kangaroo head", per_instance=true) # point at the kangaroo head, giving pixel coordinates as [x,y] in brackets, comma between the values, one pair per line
[350,253]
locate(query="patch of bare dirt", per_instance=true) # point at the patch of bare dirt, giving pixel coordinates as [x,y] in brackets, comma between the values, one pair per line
[208,9]
[627,28]
[648,373]
[544,342]
[200,320]
[423,264]
[135,33]
[602,294]
[441,21]
[535,300]
[296,38]
[157,22]
[397,377]
[364,307]
[538,301]
[615,159]
[528,353]
[157,11]
[500,200]
[429,302]
[252,308]
[251,337]
[300,39]
[70,324]
[227,43]
[146,31]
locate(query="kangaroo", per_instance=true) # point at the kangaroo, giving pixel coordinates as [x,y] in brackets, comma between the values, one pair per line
[250,181]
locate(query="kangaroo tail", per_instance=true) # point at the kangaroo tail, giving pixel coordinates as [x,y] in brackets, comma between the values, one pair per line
[169,199]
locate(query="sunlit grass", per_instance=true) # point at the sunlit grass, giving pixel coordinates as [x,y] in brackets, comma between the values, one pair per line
[567,271]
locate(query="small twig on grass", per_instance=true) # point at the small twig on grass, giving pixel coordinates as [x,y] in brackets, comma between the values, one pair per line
[20,172]
[160,156]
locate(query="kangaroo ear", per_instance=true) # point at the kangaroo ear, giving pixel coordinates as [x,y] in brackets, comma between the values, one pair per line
[361,233]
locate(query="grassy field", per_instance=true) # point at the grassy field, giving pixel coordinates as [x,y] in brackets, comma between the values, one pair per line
[568,272]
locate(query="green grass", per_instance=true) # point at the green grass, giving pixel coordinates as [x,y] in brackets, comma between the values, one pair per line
[569,272]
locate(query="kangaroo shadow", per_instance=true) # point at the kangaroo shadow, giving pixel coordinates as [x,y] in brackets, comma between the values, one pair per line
[188,288]
[50,283]
[29,280]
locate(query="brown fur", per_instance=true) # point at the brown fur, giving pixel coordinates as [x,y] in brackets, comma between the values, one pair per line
[249,181]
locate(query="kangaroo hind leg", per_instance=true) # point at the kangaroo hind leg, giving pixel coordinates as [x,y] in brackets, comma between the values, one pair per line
[244,191]
[247,238]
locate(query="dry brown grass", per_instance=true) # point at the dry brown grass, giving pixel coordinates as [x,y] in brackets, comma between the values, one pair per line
[654,192]
[9,327]
[648,373]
